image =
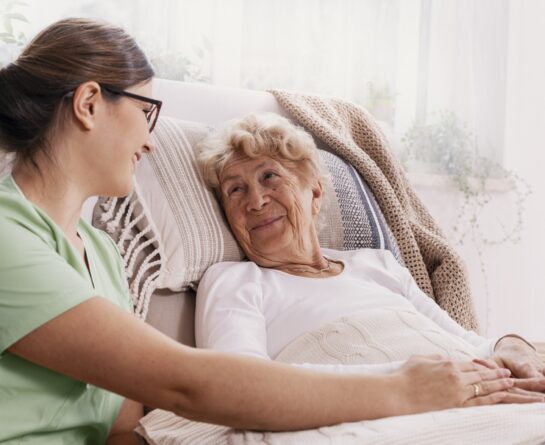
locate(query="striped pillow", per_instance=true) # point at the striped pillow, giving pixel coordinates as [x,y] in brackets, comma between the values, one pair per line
[171,228]
[355,220]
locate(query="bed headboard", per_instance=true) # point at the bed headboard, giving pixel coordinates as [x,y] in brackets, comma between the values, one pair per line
[208,104]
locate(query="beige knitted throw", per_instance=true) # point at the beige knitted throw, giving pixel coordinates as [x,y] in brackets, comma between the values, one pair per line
[353,134]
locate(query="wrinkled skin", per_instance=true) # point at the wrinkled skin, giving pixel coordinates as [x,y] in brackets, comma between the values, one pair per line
[271,211]
[520,358]
[525,364]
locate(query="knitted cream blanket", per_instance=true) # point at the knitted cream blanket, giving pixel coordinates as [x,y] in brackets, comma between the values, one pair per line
[376,336]
[353,134]
[371,337]
[483,425]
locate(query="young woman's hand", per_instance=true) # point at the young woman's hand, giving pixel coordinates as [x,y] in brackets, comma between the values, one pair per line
[433,382]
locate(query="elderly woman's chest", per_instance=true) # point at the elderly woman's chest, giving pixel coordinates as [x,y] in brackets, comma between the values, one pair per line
[357,288]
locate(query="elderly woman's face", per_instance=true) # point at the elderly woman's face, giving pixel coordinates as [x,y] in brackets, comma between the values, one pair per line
[269,208]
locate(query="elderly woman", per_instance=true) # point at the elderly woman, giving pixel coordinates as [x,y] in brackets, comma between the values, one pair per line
[267,175]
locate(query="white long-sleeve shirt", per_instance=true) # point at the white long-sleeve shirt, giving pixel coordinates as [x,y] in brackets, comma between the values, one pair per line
[246,309]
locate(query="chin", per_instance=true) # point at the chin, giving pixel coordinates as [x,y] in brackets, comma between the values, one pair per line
[117,189]
[124,191]
[271,249]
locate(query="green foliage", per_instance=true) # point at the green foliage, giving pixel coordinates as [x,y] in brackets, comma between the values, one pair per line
[8,15]
[380,94]
[175,65]
[380,101]
[11,41]
[449,146]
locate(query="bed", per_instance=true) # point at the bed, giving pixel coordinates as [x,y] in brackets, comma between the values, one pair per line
[169,231]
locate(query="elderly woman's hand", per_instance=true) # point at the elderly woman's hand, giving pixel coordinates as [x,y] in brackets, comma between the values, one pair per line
[518,356]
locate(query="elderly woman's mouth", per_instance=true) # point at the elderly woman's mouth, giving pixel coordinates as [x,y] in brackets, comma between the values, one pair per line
[267,222]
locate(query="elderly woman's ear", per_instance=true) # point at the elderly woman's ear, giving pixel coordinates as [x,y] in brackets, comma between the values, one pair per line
[317,197]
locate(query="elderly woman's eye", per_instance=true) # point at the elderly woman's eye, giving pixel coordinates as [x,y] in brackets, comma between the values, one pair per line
[269,175]
[234,190]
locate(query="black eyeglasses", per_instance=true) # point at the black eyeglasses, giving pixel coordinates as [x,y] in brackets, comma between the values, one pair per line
[151,115]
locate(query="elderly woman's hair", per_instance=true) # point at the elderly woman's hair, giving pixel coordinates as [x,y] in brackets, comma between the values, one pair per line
[256,135]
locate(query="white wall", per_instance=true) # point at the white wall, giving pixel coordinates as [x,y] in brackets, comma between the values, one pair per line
[515,273]
[525,153]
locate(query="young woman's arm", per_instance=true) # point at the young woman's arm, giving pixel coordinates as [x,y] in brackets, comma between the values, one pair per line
[122,432]
[98,343]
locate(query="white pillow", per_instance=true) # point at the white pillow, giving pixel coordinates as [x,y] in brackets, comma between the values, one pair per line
[171,228]
[190,223]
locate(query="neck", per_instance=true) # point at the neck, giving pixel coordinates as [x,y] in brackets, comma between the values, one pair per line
[309,269]
[56,194]
[304,253]
[315,261]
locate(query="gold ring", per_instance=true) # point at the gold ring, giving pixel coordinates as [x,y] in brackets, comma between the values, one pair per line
[476,390]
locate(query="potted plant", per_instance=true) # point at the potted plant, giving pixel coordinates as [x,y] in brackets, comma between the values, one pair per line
[12,41]
[446,147]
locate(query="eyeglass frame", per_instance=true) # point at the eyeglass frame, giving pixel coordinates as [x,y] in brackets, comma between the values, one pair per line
[155,102]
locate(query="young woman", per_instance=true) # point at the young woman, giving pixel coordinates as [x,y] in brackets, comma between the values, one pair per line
[75,365]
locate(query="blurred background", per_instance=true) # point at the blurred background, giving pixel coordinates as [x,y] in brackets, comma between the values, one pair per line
[456,85]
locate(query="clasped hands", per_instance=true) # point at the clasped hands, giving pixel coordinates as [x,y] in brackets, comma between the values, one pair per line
[514,374]
[526,366]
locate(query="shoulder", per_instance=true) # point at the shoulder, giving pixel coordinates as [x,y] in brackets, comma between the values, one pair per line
[13,207]
[232,269]
[230,278]
[21,226]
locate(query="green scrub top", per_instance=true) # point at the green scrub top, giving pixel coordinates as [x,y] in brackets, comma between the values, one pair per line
[41,276]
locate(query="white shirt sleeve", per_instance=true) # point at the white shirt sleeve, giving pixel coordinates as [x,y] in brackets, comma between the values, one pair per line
[229,318]
[228,313]
[430,309]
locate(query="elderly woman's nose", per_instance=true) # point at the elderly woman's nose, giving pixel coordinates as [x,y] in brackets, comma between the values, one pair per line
[257,198]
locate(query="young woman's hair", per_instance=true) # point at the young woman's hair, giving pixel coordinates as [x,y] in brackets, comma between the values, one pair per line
[35,89]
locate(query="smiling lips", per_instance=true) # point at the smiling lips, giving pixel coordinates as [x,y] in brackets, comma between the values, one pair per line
[266,222]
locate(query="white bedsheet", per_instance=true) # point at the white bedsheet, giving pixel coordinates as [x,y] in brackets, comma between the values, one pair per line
[490,425]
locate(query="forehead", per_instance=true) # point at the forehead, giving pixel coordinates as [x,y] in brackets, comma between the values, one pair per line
[239,166]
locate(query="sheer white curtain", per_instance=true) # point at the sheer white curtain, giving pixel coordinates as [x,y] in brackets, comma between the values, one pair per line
[402,59]
[463,66]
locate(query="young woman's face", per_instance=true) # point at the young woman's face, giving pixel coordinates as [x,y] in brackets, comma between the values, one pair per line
[124,139]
